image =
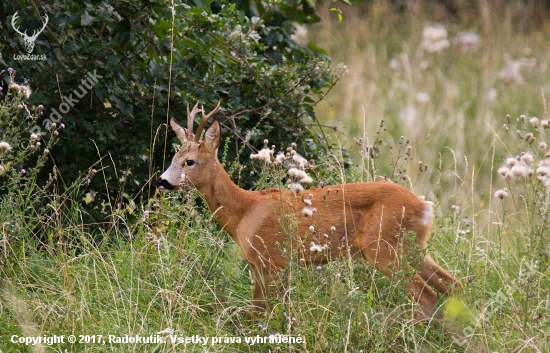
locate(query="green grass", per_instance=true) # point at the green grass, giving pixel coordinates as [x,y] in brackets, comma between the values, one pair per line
[174,271]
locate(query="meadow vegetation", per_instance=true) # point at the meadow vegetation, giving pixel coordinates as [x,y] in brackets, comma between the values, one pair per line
[444,107]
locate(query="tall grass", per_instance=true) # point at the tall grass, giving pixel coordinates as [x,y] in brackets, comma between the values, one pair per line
[448,103]
[164,268]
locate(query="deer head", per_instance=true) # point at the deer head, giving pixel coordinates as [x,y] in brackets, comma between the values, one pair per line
[28,41]
[196,159]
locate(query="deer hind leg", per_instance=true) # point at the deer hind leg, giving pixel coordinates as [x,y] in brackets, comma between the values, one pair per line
[380,256]
[437,277]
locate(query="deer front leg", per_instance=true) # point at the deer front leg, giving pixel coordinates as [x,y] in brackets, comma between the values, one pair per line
[421,293]
[263,288]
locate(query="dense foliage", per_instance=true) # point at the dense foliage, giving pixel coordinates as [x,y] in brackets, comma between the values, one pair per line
[144,61]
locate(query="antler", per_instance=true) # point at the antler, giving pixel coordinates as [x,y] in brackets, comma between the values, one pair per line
[191,118]
[13,24]
[204,120]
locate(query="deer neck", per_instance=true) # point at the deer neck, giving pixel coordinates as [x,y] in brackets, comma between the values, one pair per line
[227,202]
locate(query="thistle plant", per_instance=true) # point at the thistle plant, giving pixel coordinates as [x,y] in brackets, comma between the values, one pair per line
[17,145]
[526,174]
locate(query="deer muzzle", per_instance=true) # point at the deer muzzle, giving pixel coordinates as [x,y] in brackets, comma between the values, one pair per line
[164,185]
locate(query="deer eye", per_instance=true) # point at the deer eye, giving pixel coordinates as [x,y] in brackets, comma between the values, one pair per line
[189,162]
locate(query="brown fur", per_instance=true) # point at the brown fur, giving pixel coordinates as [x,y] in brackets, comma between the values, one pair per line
[369,220]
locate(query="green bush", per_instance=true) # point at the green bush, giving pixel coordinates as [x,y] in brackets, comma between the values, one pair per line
[143,62]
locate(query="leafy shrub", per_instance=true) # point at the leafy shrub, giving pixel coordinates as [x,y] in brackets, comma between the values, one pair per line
[145,61]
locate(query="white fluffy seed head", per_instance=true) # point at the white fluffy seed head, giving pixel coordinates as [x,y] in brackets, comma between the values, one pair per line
[503,171]
[4,146]
[296,188]
[309,211]
[301,161]
[264,155]
[280,158]
[500,194]
[306,180]
[315,247]
[544,171]
[297,173]
[519,170]
[527,158]
[510,162]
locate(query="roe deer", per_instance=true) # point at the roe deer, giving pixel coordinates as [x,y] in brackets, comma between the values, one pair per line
[368,219]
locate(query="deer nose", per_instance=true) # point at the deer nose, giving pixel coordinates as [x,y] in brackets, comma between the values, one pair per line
[163,184]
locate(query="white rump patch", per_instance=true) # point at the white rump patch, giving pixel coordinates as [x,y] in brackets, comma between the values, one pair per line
[428,213]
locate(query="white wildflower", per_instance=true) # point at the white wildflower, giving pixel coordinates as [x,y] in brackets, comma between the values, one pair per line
[280,158]
[503,171]
[4,146]
[544,171]
[301,161]
[511,73]
[297,173]
[394,65]
[468,42]
[534,121]
[527,158]
[21,89]
[306,180]
[315,247]
[519,170]
[307,202]
[296,188]
[514,69]
[510,162]
[422,97]
[264,155]
[502,193]
[434,39]
[308,211]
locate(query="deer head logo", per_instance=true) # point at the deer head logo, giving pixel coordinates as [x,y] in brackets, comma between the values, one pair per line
[28,41]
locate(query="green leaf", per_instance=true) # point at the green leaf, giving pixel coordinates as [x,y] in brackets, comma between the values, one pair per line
[162,26]
[93,46]
[86,19]
[241,16]
[112,62]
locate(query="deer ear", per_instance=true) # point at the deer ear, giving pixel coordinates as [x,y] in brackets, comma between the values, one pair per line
[212,137]
[181,132]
